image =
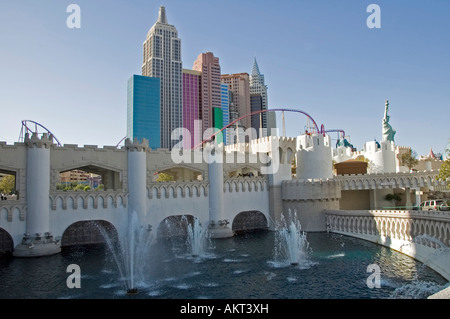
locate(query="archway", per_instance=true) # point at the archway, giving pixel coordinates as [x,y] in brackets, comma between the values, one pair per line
[94,176]
[174,226]
[249,221]
[6,242]
[88,232]
[8,184]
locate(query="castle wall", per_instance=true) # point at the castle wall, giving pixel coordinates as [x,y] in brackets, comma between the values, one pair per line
[309,198]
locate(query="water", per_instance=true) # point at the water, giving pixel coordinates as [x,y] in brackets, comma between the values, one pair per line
[130,253]
[197,237]
[240,267]
[291,245]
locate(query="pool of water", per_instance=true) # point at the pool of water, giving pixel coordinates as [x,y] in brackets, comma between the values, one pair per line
[241,267]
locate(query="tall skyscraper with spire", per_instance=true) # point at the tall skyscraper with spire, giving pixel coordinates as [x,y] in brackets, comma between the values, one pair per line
[259,88]
[162,59]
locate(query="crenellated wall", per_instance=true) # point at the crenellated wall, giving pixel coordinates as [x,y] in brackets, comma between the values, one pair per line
[309,198]
[255,178]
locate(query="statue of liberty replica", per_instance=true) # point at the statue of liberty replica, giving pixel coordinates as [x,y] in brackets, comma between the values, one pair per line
[388,131]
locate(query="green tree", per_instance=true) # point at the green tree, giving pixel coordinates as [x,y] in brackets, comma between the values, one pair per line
[79,187]
[444,171]
[409,159]
[164,177]
[7,184]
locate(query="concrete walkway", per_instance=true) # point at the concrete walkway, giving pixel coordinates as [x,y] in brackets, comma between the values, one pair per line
[443,294]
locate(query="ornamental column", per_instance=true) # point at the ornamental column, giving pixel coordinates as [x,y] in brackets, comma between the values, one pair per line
[137,178]
[218,225]
[38,239]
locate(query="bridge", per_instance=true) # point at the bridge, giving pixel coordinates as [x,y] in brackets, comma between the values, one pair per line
[423,235]
[212,192]
[235,188]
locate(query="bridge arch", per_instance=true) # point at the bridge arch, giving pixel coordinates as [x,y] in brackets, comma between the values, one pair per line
[88,232]
[249,221]
[11,173]
[6,242]
[181,172]
[90,174]
[174,226]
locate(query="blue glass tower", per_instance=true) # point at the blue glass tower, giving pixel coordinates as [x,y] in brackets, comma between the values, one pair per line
[225,105]
[143,109]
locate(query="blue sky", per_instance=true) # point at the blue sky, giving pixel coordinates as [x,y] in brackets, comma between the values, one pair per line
[317,56]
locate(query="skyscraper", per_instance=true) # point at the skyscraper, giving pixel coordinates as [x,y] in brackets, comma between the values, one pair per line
[209,65]
[191,108]
[225,105]
[256,105]
[143,107]
[258,87]
[162,59]
[239,85]
[218,124]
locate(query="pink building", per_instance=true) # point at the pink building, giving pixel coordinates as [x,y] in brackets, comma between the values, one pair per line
[191,108]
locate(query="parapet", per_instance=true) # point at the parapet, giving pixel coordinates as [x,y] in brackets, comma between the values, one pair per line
[44,141]
[136,145]
[310,189]
[311,142]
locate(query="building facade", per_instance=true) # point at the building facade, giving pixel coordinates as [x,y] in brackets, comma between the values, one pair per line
[257,122]
[192,122]
[162,59]
[143,109]
[239,84]
[218,124]
[209,67]
[225,105]
[258,87]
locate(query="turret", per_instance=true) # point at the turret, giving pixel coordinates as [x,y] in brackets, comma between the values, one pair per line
[218,226]
[314,156]
[137,177]
[38,239]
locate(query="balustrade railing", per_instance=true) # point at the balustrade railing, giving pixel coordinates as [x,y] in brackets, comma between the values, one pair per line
[429,228]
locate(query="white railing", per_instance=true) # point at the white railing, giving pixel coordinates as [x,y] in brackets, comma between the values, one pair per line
[429,228]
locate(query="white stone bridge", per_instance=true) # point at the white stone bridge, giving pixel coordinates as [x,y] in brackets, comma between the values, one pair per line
[246,187]
[227,196]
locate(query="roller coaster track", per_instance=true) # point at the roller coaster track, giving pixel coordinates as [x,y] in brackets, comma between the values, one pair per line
[26,129]
[316,127]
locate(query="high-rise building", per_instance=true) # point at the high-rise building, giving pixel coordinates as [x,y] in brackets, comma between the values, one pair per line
[218,124]
[258,87]
[257,122]
[162,59]
[225,105]
[209,65]
[191,108]
[239,85]
[143,109]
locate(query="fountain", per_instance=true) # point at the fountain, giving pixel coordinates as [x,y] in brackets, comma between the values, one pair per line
[196,237]
[290,242]
[130,252]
